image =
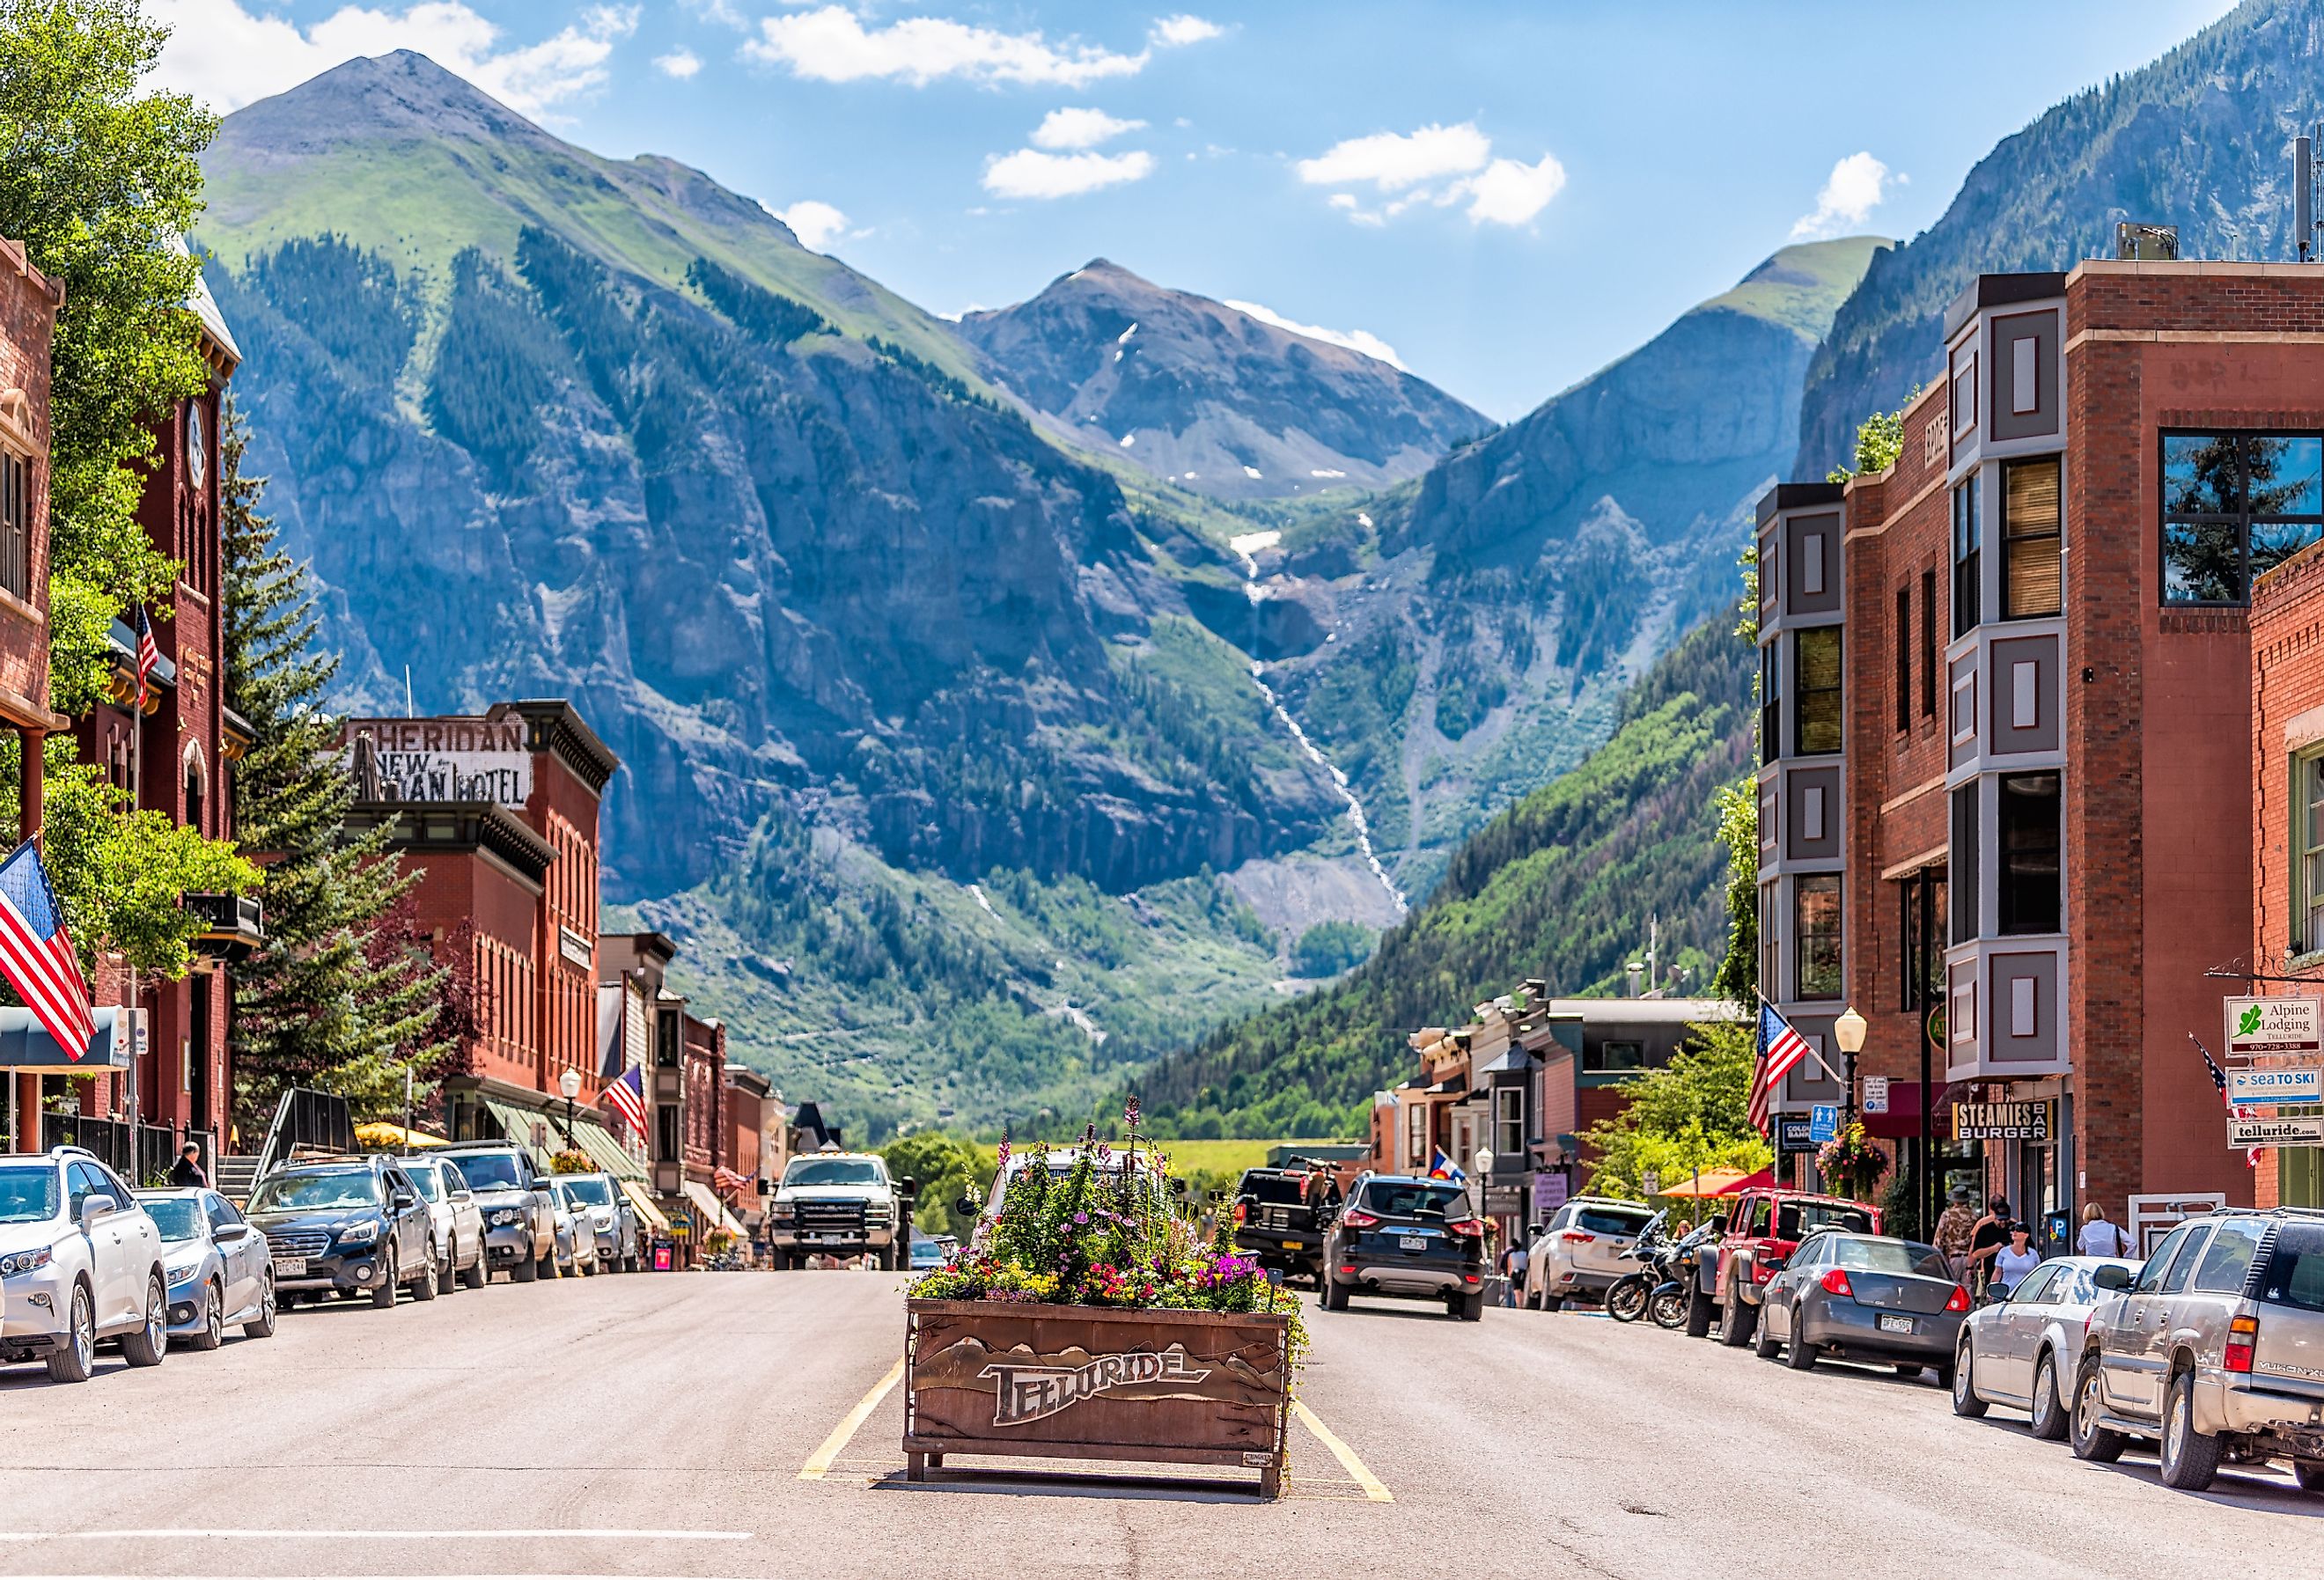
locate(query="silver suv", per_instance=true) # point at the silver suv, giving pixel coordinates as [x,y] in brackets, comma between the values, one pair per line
[79,1261]
[2216,1348]
[1580,1252]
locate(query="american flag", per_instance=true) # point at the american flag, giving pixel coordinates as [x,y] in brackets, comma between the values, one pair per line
[2220,1080]
[1780,1049]
[37,956]
[627,1096]
[148,655]
[726,1179]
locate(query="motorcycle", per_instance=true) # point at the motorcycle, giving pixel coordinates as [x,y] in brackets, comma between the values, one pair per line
[1676,1267]
[1628,1297]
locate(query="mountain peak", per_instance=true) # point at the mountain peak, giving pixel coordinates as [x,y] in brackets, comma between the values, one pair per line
[397,97]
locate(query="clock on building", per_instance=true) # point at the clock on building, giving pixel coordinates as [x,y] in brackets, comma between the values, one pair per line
[198,457]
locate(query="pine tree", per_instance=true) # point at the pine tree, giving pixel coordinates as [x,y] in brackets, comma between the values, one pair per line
[336,998]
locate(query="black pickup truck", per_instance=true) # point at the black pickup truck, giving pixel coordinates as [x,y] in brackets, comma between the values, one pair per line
[1276,1223]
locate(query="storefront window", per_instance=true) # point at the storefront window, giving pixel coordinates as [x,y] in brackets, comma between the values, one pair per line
[1817,936]
[2235,505]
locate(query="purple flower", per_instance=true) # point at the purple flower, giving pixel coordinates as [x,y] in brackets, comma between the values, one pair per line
[1081,1217]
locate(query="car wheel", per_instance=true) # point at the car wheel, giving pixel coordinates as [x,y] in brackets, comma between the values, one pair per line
[549,1268]
[1966,1401]
[151,1341]
[1553,1302]
[1766,1344]
[76,1358]
[1472,1307]
[2093,1440]
[1335,1294]
[2309,1474]
[1801,1356]
[1739,1321]
[262,1325]
[476,1274]
[523,1271]
[1700,1310]
[383,1296]
[2049,1412]
[447,1271]
[213,1332]
[2191,1458]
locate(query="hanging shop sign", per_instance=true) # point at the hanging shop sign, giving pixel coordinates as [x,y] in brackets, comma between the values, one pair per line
[2301,1130]
[1792,1133]
[2284,1028]
[2026,1120]
[424,759]
[2277,1084]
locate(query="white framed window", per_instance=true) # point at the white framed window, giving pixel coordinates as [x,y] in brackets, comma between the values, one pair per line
[1509,1122]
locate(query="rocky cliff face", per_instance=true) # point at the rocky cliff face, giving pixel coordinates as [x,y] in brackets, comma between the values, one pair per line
[1209,397]
[773,561]
[2200,139]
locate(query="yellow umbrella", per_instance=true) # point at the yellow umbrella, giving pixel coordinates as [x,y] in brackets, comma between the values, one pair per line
[382,1134]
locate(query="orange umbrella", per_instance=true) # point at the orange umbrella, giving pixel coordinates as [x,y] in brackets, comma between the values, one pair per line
[1719,1182]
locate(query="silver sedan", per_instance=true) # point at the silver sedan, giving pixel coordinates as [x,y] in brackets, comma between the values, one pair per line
[217,1265]
[2016,1351]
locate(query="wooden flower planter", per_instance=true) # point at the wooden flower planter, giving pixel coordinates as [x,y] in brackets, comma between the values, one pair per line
[1091,1382]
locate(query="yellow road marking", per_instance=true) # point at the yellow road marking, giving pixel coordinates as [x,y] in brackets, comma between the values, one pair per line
[1374,1491]
[818,1464]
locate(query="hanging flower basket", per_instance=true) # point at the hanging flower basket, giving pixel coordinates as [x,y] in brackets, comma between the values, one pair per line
[1090,1321]
[1850,1164]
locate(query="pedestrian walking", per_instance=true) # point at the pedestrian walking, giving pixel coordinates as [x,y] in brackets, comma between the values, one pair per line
[1956,1230]
[187,1173]
[1986,1241]
[1515,1261]
[2014,1260]
[2100,1236]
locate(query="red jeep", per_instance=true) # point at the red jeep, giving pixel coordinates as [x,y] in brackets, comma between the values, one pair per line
[1764,1227]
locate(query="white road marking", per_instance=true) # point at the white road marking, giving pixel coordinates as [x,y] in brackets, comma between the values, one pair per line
[1375,1491]
[818,1464]
[223,1533]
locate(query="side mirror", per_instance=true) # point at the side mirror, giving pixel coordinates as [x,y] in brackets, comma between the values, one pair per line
[93,1207]
[2111,1278]
[229,1233]
[1774,1264]
[968,1207]
[541,1183]
[403,1201]
[1533,1231]
[463,1195]
[908,1187]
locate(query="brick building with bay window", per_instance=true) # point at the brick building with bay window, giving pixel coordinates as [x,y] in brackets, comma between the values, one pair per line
[2007,730]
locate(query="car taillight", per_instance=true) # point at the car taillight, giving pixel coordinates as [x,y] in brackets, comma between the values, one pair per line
[1959,1300]
[1241,1212]
[1470,1229]
[1575,1237]
[1836,1282]
[1357,1218]
[2242,1337]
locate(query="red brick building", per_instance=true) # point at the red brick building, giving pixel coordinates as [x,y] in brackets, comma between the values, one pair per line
[28,316]
[1998,677]
[499,811]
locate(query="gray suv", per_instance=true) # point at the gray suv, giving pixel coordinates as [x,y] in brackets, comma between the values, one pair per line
[2216,1348]
[519,1208]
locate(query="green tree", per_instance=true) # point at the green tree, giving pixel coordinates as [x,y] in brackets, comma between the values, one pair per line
[332,999]
[1692,1113]
[945,1167]
[1738,977]
[1330,948]
[100,181]
[1879,440]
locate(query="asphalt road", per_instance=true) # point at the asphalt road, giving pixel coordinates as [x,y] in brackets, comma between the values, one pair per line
[699,1425]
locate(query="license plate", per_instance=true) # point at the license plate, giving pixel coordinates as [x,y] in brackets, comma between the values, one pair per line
[290,1267]
[1291,1245]
[1896,1325]
[1413,1241]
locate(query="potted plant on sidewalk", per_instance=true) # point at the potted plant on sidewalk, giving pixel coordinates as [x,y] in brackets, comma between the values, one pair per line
[1090,1320]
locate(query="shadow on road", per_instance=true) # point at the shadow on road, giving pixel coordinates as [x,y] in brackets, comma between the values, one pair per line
[1033,1484]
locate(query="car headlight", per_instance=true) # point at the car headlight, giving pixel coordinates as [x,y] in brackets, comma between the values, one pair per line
[504,1217]
[362,1234]
[26,1262]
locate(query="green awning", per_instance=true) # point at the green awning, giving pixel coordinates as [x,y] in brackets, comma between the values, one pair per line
[606,1151]
[516,1127]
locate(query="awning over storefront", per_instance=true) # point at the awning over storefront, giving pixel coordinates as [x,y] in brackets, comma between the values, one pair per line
[27,1049]
[642,1199]
[711,1213]
[517,1126]
[606,1153]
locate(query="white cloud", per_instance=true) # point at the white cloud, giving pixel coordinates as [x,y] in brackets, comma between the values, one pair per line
[1171,31]
[816,224]
[1509,191]
[1362,340]
[680,63]
[1392,161]
[1030,174]
[1850,193]
[831,44]
[227,56]
[1079,129]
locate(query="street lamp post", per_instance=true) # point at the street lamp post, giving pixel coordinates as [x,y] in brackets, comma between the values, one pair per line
[1848,1032]
[1481,1160]
[569,1083]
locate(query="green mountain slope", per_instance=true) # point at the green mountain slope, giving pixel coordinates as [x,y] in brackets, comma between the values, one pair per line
[1559,886]
[2200,139]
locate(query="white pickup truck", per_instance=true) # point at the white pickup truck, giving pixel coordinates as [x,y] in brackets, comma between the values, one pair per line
[839,1204]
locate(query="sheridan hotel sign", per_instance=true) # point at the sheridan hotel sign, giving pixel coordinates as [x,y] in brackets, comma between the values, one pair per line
[422,760]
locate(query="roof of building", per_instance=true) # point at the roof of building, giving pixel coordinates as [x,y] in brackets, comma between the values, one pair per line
[206,310]
[1649,1011]
[1797,496]
[2001,291]
[557,727]
[485,826]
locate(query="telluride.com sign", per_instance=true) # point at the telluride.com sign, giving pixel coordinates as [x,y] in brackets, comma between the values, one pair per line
[439,760]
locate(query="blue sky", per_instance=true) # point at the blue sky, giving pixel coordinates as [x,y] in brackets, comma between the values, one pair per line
[1508,195]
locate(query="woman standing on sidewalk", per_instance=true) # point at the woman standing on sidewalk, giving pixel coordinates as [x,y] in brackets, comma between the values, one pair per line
[2014,1260]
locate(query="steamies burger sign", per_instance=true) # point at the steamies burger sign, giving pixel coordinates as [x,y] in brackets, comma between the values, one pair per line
[424,759]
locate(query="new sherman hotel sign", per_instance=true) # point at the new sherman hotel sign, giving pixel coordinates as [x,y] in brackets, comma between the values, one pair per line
[415,760]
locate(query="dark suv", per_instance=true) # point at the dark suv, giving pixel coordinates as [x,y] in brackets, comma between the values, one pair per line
[519,1208]
[1409,1239]
[1275,1225]
[347,1227]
